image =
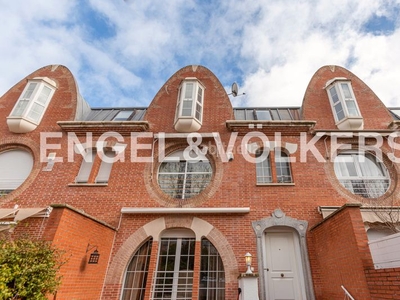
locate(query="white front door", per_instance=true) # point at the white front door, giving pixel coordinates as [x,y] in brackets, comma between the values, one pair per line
[283,270]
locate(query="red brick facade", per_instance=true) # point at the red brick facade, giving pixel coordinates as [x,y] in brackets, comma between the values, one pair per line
[335,251]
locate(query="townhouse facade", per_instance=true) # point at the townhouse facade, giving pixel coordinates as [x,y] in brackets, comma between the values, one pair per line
[164,201]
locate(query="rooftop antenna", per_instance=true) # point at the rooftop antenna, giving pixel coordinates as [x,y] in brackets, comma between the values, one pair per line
[235,90]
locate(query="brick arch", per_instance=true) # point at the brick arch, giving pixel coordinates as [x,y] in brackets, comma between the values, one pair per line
[279,219]
[154,228]
[154,190]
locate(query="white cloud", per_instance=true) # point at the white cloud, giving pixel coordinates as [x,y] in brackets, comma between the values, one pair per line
[288,49]
[272,48]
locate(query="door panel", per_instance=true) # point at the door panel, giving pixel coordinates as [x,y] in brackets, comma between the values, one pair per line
[281,270]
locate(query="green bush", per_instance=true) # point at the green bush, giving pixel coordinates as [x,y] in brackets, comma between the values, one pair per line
[28,269]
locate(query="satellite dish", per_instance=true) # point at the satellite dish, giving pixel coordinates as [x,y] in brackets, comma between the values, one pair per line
[235,89]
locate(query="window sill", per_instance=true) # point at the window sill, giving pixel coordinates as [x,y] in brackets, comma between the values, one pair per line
[88,184]
[276,184]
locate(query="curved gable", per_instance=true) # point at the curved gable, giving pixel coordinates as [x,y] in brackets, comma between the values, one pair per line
[63,101]
[217,107]
[317,104]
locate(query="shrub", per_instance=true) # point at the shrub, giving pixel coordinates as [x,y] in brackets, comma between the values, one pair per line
[28,269]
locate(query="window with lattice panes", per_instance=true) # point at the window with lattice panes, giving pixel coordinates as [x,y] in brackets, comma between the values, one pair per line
[176,264]
[344,104]
[29,110]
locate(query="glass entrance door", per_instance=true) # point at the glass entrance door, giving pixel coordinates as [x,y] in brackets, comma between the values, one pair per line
[174,276]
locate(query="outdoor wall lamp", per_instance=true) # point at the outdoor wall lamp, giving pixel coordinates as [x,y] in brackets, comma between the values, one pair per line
[94,257]
[247,258]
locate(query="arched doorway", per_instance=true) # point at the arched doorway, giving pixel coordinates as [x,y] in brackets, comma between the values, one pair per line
[282,265]
[282,258]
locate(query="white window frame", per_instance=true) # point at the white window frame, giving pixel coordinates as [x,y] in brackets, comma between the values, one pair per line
[263,167]
[189,107]
[340,103]
[282,163]
[35,97]
[366,186]
[196,96]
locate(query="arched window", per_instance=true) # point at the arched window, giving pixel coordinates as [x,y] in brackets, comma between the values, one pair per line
[283,174]
[264,170]
[136,273]
[184,177]
[363,175]
[212,274]
[263,167]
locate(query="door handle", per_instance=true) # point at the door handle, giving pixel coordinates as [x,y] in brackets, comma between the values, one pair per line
[282,275]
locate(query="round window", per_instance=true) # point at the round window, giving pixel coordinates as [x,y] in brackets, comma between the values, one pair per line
[362,174]
[183,175]
[15,167]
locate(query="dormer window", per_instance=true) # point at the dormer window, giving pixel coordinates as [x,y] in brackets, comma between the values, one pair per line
[344,104]
[189,109]
[31,105]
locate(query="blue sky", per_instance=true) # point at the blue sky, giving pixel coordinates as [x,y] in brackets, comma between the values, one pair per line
[122,52]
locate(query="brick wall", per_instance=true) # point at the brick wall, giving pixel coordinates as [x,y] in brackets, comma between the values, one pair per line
[73,232]
[341,254]
[338,242]
[383,283]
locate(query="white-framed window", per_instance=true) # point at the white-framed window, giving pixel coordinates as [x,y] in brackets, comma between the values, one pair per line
[181,177]
[265,172]
[31,105]
[89,160]
[189,108]
[362,174]
[263,167]
[344,104]
[282,165]
[15,167]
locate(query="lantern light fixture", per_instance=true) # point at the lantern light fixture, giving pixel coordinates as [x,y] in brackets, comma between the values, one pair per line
[94,257]
[248,259]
